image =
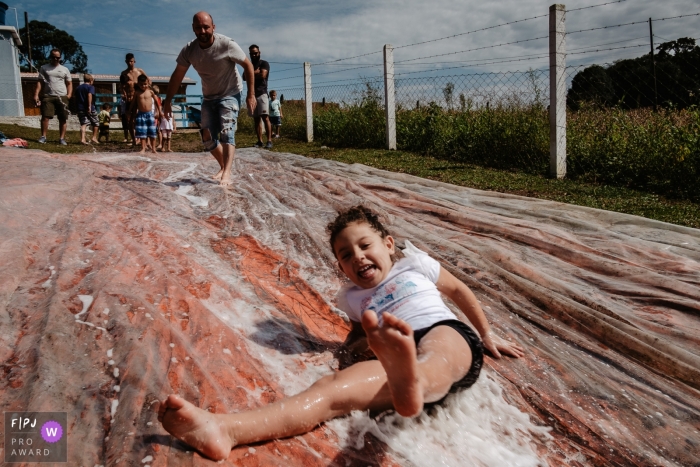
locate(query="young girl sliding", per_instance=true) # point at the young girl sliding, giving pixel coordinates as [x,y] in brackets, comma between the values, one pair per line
[423,352]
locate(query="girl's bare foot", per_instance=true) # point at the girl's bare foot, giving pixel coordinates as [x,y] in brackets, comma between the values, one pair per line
[198,428]
[218,175]
[393,345]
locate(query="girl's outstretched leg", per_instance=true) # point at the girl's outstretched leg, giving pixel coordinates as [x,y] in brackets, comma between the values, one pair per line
[442,358]
[359,387]
[200,429]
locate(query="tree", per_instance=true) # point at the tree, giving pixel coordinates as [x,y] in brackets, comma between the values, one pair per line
[632,83]
[448,92]
[44,37]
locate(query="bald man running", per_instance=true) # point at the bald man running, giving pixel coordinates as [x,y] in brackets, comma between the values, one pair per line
[215,57]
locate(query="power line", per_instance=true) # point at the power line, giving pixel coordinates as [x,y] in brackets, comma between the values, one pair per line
[124,48]
[471,50]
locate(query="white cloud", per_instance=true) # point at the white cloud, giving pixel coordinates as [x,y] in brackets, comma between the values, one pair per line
[317,31]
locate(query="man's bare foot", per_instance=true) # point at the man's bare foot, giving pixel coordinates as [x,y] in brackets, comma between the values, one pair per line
[143,151]
[95,141]
[393,345]
[218,175]
[170,150]
[198,428]
[225,180]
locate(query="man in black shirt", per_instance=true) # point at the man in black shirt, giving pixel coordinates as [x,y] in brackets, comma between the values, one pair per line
[262,110]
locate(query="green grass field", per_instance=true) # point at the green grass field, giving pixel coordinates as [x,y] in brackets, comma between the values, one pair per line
[577,192]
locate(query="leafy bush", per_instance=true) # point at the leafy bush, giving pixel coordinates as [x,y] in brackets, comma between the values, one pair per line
[657,152]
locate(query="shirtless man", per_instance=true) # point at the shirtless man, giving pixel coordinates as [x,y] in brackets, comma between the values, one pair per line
[215,57]
[131,74]
[142,114]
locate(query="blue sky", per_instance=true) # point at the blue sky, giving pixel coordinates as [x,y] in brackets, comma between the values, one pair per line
[293,31]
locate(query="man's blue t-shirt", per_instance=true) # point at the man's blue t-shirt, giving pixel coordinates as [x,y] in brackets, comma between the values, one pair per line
[81,97]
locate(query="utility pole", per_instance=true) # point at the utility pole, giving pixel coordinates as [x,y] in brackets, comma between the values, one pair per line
[653,63]
[29,42]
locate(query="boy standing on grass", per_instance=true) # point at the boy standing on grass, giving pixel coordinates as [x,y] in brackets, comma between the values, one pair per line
[143,116]
[104,118]
[275,114]
[87,114]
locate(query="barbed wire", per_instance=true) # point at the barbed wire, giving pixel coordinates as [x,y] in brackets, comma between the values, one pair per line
[471,32]
[605,50]
[609,43]
[475,65]
[633,22]
[471,50]
[595,6]
[348,58]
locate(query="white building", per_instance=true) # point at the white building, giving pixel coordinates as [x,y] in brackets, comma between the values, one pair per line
[11,104]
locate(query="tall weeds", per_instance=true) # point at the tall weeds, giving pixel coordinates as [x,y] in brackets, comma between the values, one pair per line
[657,152]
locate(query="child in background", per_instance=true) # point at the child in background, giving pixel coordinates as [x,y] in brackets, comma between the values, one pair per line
[167,127]
[124,112]
[275,114]
[143,115]
[87,114]
[423,352]
[104,118]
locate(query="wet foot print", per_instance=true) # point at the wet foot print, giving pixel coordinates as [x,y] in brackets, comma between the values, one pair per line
[393,345]
[198,428]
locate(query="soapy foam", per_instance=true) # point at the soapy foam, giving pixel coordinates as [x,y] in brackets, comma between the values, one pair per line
[87,301]
[474,427]
[198,201]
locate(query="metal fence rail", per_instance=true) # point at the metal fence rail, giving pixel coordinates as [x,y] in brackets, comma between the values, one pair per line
[186,107]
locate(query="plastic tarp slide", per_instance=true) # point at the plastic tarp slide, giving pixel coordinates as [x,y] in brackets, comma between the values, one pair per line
[126,278]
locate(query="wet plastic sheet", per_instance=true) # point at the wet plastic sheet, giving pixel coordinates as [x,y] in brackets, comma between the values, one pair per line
[124,278]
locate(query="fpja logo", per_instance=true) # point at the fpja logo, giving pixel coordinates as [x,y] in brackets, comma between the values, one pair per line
[35,437]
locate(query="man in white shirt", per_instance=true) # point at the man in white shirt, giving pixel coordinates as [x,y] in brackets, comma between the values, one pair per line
[215,57]
[58,87]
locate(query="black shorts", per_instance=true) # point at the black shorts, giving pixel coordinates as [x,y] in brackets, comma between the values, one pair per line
[275,121]
[475,345]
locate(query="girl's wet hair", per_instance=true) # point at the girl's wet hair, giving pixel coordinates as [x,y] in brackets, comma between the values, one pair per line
[357,214]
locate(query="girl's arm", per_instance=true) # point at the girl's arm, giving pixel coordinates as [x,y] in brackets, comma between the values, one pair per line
[466,301]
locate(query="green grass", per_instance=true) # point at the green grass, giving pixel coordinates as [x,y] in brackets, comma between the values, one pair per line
[582,193]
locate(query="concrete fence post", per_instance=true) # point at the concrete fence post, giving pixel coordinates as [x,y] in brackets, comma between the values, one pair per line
[308,100]
[557,91]
[389,97]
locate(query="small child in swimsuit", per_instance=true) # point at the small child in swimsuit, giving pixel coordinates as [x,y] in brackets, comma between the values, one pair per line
[145,119]
[422,351]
